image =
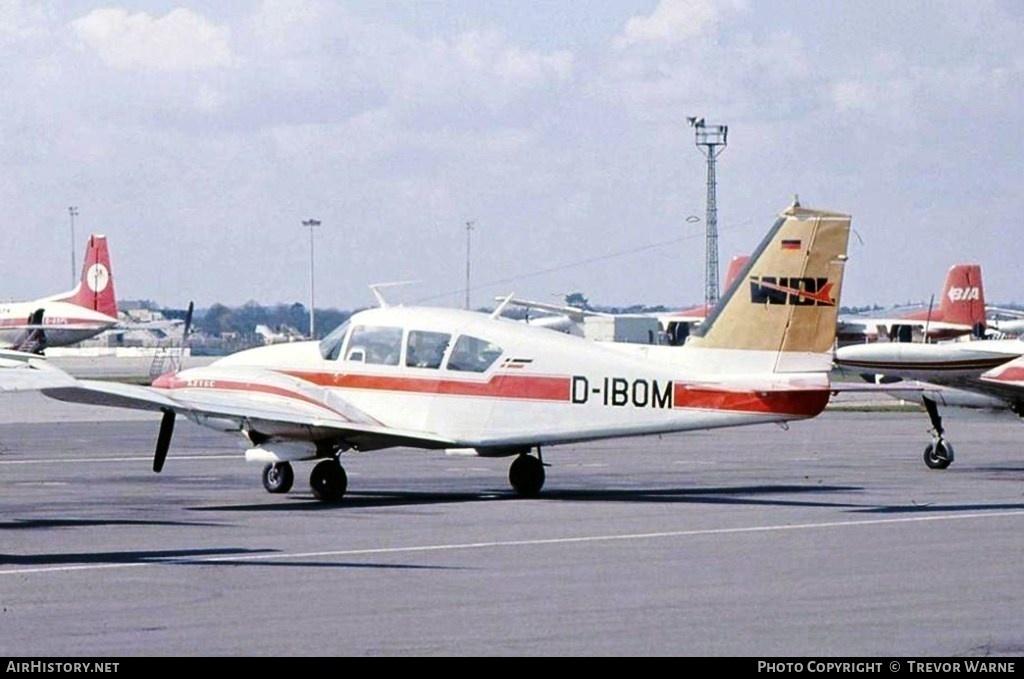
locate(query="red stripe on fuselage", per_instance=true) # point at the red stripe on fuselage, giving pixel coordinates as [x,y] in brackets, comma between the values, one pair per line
[805,403]
[172,382]
[498,386]
[54,323]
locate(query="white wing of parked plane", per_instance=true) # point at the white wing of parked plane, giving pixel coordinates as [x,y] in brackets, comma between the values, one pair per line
[960,374]
[20,371]
[235,399]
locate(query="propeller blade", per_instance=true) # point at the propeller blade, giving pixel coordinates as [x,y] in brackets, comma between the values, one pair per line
[163,440]
[188,324]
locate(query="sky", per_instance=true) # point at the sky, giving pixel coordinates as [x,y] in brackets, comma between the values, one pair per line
[199,136]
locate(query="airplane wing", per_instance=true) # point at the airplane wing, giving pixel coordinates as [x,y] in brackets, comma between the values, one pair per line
[575,313]
[22,371]
[258,405]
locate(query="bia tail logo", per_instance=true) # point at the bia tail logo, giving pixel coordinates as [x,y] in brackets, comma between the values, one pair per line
[964,294]
[794,291]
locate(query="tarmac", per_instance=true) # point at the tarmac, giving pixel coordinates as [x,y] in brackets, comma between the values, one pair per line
[829,539]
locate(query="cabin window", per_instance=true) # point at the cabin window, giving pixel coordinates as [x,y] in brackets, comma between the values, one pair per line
[426,349]
[472,354]
[374,344]
[330,346]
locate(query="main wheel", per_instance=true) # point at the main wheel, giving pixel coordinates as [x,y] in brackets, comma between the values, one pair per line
[526,476]
[278,478]
[328,481]
[938,454]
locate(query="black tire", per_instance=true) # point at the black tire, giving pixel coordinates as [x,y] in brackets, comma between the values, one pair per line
[937,455]
[526,476]
[278,478]
[328,481]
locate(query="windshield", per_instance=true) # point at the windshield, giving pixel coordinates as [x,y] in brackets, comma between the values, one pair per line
[330,346]
[472,354]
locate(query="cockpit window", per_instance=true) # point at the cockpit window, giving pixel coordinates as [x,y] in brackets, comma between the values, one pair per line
[330,346]
[472,354]
[375,344]
[426,349]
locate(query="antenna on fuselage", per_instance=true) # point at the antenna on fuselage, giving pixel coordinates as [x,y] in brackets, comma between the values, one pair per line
[375,289]
[501,307]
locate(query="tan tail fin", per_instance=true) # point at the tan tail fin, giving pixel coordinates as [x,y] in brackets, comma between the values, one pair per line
[786,299]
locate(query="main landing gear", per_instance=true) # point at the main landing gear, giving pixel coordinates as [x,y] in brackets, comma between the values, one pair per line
[328,479]
[527,474]
[278,478]
[939,453]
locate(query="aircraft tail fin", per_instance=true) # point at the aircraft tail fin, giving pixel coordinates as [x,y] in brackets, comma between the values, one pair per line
[784,303]
[95,289]
[963,296]
[736,265]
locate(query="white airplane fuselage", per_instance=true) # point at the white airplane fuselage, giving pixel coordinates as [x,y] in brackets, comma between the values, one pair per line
[65,323]
[929,362]
[542,388]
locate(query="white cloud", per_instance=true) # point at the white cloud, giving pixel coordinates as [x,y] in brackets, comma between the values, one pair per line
[19,21]
[673,21]
[475,66]
[181,40]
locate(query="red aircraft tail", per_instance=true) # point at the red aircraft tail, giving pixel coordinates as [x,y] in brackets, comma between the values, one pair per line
[963,297]
[736,265]
[95,289]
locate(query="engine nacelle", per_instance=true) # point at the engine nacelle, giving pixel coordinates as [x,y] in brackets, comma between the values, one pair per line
[224,424]
[281,451]
[504,451]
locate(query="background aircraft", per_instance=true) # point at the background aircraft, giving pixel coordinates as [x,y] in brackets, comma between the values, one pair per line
[483,385]
[674,326]
[963,374]
[69,317]
[961,311]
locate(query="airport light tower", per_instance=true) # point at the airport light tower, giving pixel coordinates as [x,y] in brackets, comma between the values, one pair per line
[469,230]
[711,140]
[310,224]
[72,213]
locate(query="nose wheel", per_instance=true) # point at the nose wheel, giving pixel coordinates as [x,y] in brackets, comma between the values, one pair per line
[527,475]
[939,453]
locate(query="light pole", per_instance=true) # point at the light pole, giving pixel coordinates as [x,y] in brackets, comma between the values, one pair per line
[469,230]
[312,289]
[72,213]
[711,140]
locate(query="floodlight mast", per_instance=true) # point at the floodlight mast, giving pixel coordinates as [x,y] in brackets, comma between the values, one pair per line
[711,140]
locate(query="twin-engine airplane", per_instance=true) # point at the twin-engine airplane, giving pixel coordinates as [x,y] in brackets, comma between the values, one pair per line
[477,384]
[66,318]
[984,374]
[961,311]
